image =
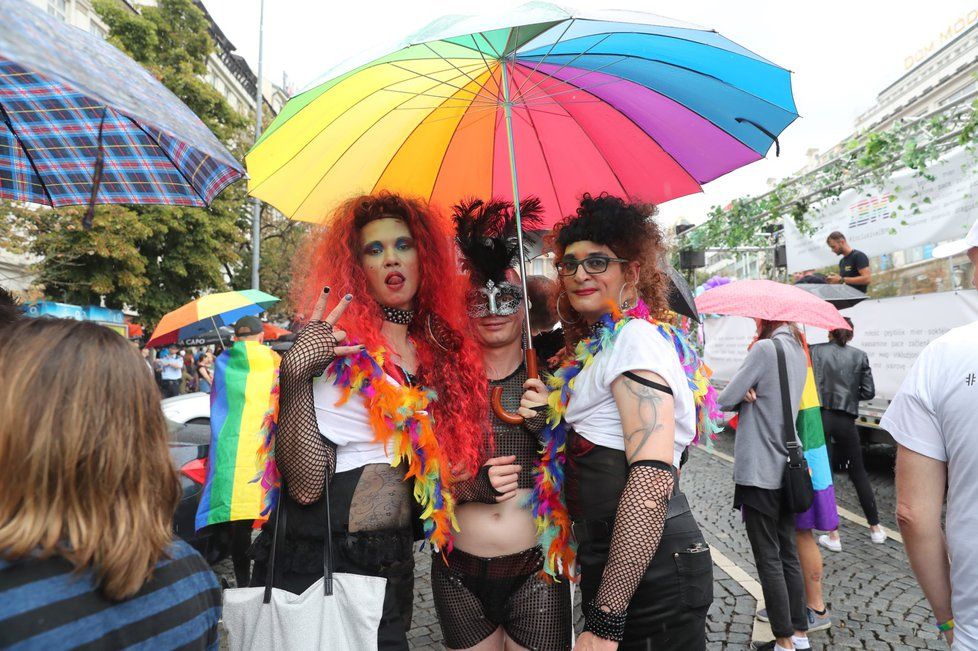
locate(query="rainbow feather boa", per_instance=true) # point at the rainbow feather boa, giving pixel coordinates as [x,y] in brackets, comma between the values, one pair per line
[547,498]
[399,418]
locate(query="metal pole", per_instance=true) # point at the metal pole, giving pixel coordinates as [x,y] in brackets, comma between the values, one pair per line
[255,201]
[507,109]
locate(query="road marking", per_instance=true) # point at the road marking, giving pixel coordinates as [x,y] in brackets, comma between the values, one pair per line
[845,513]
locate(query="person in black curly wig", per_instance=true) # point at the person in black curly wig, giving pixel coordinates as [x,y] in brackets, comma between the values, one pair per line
[646,572]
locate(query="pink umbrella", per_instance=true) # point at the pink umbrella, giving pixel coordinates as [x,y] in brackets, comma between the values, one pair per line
[766,299]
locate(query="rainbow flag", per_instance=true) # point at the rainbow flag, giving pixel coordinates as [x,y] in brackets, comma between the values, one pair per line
[243,381]
[823,515]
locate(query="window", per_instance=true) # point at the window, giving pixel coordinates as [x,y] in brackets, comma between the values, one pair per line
[98,30]
[58,8]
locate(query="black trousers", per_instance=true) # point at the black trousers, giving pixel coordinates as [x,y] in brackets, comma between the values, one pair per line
[171,388]
[841,426]
[773,542]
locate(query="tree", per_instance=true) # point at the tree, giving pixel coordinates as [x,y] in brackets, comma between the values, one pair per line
[149,258]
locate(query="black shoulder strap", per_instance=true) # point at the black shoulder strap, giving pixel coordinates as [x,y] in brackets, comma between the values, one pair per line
[649,383]
[794,452]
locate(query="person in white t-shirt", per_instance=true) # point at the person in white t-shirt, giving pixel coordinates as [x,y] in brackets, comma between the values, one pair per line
[646,572]
[934,420]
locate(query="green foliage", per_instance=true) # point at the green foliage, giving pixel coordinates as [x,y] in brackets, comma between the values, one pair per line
[149,258]
[867,161]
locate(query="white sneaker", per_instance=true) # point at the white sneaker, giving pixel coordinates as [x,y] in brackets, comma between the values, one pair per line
[878,537]
[828,543]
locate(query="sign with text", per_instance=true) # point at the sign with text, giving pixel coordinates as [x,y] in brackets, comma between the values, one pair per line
[892,331]
[873,223]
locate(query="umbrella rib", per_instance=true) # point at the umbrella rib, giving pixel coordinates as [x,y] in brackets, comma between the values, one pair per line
[543,91]
[167,156]
[345,111]
[442,97]
[519,89]
[649,135]
[593,144]
[413,131]
[427,76]
[486,63]
[565,65]
[23,147]
[472,79]
[340,157]
[686,68]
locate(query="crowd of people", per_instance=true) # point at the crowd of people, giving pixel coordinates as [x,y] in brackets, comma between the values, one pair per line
[407,410]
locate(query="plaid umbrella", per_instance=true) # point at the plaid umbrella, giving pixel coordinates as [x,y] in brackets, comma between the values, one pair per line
[82,123]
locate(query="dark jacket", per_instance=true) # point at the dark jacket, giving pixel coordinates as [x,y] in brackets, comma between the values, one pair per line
[843,377]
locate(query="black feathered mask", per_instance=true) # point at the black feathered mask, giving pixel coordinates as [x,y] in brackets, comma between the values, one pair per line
[485,232]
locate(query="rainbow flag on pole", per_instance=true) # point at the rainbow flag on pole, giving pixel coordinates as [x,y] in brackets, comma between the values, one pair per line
[823,515]
[242,394]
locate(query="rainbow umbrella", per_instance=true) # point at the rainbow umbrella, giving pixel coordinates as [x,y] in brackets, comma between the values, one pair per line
[208,313]
[556,101]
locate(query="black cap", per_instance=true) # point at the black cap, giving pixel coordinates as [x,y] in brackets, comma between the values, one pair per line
[247,325]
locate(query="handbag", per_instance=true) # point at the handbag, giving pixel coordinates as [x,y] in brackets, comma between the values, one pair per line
[796,488]
[339,611]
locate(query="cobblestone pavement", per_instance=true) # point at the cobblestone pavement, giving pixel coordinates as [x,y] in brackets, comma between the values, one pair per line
[874,599]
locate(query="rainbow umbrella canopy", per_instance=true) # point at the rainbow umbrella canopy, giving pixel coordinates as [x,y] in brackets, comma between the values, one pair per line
[541,100]
[208,313]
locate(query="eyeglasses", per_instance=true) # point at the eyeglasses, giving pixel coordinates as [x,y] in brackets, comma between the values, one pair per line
[597,264]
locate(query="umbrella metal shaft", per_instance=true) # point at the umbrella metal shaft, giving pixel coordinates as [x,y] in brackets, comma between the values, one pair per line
[508,111]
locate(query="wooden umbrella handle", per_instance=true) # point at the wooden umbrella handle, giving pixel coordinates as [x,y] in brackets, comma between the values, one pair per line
[496,395]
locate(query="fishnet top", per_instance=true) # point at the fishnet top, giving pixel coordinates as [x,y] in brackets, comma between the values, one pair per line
[639,523]
[520,440]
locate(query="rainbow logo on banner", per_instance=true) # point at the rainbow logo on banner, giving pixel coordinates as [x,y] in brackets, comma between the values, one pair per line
[823,514]
[243,381]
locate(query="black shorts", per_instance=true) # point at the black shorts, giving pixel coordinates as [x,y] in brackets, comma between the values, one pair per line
[474,596]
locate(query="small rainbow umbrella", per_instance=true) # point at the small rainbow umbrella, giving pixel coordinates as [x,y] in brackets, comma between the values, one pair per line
[558,101]
[209,312]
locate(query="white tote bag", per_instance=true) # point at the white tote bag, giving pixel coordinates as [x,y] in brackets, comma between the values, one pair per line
[339,611]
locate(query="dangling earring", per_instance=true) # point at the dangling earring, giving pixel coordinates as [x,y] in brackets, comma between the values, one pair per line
[561,316]
[624,305]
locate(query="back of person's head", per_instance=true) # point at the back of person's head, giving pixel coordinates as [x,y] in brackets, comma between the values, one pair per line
[841,337]
[9,308]
[542,293]
[87,472]
[767,328]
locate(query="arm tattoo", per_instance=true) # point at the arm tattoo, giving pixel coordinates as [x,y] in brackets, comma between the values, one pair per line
[647,403]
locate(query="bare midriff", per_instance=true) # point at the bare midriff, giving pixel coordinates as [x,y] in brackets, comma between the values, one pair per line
[488,530]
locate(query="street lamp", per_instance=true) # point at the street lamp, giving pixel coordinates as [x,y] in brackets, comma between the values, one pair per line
[255,202]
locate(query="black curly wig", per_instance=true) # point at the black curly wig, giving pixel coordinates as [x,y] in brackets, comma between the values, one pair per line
[9,308]
[628,229]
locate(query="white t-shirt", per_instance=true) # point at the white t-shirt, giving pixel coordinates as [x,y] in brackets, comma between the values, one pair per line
[348,426]
[935,414]
[639,346]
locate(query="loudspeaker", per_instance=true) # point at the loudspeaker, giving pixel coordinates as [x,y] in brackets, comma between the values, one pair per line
[780,256]
[692,259]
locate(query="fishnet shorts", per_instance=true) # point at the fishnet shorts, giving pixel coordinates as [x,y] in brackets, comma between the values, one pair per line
[474,596]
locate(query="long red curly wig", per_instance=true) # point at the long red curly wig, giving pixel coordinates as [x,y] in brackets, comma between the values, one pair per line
[448,359]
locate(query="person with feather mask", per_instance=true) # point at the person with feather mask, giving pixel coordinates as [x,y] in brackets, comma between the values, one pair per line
[490,590]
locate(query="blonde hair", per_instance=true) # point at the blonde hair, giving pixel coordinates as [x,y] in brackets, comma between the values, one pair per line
[83,442]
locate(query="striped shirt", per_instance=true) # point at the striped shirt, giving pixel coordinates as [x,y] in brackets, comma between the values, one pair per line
[45,605]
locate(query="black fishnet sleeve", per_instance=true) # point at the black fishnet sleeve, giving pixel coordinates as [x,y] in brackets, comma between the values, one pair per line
[477,489]
[639,523]
[304,456]
[536,424]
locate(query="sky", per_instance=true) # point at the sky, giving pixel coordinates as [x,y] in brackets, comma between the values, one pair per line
[842,54]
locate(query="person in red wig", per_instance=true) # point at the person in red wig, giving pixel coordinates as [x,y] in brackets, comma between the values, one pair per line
[382,386]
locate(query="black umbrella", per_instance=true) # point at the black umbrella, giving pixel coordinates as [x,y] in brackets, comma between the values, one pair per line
[681,299]
[841,296]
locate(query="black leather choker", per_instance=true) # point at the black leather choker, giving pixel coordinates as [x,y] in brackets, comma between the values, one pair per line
[394,315]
